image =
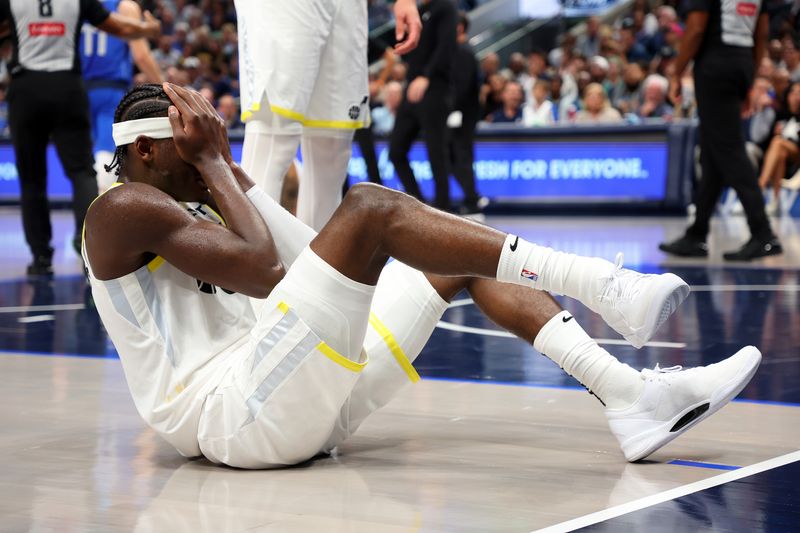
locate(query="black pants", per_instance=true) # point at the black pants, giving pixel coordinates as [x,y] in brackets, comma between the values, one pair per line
[366,143]
[722,81]
[430,116]
[462,157]
[41,106]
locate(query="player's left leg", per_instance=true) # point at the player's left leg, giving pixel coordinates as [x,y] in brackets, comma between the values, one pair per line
[375,223]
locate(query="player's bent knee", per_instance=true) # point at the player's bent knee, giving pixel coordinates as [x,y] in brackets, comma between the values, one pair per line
[371,199]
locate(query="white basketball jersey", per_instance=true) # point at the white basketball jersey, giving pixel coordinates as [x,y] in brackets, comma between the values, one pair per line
[176,336]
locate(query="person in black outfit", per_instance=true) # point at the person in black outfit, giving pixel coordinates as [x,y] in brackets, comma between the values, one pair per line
[727,43]
[466,100]
[365,138]
[425,104]
[47,99]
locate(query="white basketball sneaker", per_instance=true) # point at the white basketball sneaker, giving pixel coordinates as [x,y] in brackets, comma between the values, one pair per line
[675,400]
[635,304]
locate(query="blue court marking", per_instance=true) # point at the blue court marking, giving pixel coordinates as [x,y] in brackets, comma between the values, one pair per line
[50,354]
[697,464]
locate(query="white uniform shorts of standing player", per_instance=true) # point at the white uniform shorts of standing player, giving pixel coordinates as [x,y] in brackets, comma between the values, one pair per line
[304,81]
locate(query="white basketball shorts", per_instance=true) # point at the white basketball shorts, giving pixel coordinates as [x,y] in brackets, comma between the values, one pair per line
[305,60]
[302,388]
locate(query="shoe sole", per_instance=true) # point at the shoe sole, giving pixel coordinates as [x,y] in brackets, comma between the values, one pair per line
[696,413]
[671,294]
[703,253]
[774,251]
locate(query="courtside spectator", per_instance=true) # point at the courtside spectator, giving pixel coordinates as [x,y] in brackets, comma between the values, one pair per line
[383,117]
[654,101]
[538,111]
[596,108]
[511,112]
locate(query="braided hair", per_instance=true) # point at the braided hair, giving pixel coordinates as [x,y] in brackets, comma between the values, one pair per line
[143,101]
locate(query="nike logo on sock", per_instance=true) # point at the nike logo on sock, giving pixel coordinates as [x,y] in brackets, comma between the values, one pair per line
[514,246]
[566,319]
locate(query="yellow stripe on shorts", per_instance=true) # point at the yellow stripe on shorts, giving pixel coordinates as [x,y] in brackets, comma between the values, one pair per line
[394,347]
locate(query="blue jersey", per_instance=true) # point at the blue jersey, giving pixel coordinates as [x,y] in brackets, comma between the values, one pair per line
[103,57]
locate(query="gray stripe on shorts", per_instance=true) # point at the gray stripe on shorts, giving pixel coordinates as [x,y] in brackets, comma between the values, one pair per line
[277,332]
[120,301]
[283,370]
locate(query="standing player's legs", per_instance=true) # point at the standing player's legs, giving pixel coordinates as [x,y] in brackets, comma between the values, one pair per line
[326,155]
[30,122]
[719,102]
[433,116]
[366,144]
[270,146]
[277,81]
[463,156]
[72,137]
[339,105]
[405,131]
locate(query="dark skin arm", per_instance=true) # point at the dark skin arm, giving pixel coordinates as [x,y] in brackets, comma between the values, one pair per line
[696,24]
[130,224]
[760,39]
[131,28]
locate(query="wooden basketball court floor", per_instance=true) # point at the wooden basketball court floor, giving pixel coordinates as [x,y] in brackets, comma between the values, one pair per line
[494,438]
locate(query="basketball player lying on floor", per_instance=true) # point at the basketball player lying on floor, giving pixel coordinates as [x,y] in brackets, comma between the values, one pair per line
[249,339]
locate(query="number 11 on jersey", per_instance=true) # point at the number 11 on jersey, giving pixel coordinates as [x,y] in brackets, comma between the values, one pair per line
[89,49]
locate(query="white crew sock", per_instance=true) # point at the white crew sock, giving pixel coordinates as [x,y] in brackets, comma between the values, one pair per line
[565,342]
[543,268]
[325,159]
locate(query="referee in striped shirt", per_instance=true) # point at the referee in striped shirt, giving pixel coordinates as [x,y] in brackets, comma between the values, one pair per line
[47,100]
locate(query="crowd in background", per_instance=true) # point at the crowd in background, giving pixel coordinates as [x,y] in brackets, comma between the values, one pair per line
[612,72]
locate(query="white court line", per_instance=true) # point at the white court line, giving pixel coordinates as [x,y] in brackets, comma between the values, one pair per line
[55,307]
[745,288]
[35,318]
[454,303]
[672,494]
[500,333]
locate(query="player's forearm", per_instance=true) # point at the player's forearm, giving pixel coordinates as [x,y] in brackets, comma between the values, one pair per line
[691,42]
[760,40]
[145,61]
[244,181]
[127,28]
[241,217]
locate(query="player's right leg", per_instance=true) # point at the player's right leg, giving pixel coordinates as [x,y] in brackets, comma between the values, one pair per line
[645,410]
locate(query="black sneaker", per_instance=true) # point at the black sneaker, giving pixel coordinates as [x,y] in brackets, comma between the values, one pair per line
[42,266]
[755,248]
[685,247]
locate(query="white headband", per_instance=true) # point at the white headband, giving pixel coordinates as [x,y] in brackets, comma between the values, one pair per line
[127,132]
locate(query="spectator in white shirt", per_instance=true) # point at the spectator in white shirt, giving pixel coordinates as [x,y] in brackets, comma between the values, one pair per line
[538,111]
[383,117]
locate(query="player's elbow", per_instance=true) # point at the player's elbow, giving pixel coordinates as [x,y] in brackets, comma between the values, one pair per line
[267,276]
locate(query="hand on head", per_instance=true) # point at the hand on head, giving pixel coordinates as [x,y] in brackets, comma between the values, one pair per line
[198,131]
